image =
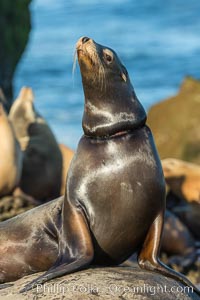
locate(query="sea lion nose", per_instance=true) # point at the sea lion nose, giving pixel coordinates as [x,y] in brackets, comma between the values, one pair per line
[85,39]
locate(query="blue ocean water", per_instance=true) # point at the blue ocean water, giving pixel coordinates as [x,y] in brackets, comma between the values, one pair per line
[158,41]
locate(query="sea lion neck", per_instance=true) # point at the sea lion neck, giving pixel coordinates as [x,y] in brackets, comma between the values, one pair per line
[111,110]
[111,105]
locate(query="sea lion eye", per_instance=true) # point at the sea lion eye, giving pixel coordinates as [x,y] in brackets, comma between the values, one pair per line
[108,58]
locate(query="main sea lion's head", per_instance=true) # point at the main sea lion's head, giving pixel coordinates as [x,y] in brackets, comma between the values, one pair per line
[111,105]
[99,63]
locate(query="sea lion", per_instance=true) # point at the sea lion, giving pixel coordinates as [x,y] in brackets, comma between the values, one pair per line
[115,194]
[183,179]
[67,155]
[29,241]
[178,242]
[42,164]
[10,153]
[189,214]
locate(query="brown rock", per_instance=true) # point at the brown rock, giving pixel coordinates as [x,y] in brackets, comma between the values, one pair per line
[11,206]
[175,123]
[103,283]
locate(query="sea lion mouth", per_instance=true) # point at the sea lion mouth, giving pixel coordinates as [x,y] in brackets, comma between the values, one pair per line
[82,43]
[89,58]
[88,52]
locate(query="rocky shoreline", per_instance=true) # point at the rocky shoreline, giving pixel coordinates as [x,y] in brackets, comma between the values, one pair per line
[103,283]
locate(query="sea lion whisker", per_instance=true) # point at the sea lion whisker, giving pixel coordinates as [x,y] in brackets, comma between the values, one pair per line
[74,66]
[102,71]
[74,63]
[95,61]
[101,76]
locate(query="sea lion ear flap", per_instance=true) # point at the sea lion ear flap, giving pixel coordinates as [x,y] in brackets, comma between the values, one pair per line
[124,73]
[26,94]
[124,77]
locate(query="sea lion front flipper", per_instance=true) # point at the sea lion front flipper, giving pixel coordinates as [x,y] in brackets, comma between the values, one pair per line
[148,256]
[75,247]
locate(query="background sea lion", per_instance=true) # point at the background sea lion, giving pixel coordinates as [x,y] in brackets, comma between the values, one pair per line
[10,153]
[115,194]
[183,178]
[178,242]
[42,163]
[190,216]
